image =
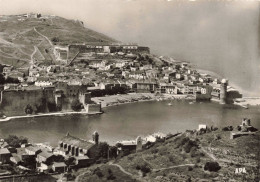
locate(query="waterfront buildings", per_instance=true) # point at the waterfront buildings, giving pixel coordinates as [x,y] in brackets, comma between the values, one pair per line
[73,146]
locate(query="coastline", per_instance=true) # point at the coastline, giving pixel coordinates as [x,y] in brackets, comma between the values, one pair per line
[107,101]
[245,93]
[245,101]
[116,100]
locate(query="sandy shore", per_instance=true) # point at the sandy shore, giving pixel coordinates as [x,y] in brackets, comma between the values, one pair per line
[114,100]
[245,101]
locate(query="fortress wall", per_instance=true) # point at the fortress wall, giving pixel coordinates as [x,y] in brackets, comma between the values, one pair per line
[93,108]
[14,102]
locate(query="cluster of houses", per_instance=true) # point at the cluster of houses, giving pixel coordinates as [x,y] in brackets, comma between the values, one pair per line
[134,72]
[42,157]
[45,158]
[139,142]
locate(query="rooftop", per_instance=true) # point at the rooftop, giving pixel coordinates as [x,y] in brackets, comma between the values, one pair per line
[45,154]
[59,164]
[4,151]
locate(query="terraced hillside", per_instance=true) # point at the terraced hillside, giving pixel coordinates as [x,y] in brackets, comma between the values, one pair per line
[25,38]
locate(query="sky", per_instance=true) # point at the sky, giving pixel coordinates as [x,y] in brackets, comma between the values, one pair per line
[217,35]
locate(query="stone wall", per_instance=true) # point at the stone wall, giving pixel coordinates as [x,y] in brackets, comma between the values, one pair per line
[93,108]
[14,102]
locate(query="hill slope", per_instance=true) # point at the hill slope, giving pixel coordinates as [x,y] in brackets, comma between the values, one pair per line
[23,39]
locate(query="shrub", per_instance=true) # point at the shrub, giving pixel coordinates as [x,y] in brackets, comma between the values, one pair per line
[76,105]
[51,106]
[109,171]
[55,39]
[137,167]
[145,168]
[227,128]
[217,137]
[212,166]
[190,168]
[189,179]
[198,160]
[239,128]
[15,141]
[111,177]
[28,109]
[193,152]
[98,172]
[154,151]
[171,159]
[187,147]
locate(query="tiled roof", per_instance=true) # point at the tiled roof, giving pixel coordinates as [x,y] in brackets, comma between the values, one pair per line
[71,140]
[45,154]
[4,151]
[59,164]
[33,148]
[17,158]
[81,157]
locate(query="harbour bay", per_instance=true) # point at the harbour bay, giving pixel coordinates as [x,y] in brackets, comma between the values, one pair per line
[127,121]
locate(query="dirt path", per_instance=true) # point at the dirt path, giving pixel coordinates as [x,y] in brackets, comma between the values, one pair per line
[208,153]
[121,168]
[82,174]
[44,37]
[171,167]
[34,52]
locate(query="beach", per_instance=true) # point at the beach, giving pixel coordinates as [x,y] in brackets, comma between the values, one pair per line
[119,99]
[252,101]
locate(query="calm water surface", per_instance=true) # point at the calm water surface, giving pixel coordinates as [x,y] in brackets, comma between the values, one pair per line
[130,120]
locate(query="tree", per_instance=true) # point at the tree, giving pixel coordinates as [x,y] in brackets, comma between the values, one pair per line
[28,109]
[2,79]
[113,152]
[212,166]
[76,105]
[51,106]
[15,141]
[98,172]
[103,149]
[55,39]
[11,80]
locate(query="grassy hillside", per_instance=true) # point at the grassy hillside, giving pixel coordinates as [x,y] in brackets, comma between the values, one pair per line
[184,158]
[20,37]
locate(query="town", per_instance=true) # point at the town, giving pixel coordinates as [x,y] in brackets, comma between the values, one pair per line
[79,72]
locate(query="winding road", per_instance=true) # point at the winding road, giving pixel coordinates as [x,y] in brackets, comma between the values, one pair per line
[43,36]
[171,167]
[121,168]
[34,52]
